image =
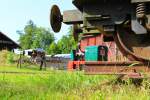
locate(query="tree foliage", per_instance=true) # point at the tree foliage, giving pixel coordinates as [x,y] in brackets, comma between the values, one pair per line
[38,37]
[53,49]
[67,43]
[35,37]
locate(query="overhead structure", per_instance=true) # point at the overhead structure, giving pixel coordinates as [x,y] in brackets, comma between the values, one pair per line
[128,23]
[7,43]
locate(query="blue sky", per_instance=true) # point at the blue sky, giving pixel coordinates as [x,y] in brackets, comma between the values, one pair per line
[14,15]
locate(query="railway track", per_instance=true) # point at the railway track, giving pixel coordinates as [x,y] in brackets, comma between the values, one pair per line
[15,72]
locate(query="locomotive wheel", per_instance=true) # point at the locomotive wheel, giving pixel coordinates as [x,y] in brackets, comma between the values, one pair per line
[134,47]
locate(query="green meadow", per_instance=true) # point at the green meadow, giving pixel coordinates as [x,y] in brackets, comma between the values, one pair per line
[28,83]
[32,84]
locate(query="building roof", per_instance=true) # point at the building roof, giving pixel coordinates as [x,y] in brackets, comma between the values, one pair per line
[7,43]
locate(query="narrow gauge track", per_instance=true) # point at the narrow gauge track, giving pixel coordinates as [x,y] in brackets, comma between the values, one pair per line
[13,72]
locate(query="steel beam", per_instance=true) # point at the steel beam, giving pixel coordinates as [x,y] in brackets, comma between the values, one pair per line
[115,68]
[72,17]
[137,1]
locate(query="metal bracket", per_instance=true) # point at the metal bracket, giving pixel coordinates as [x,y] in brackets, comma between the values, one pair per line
[97,17]
[138,28]
[136,1]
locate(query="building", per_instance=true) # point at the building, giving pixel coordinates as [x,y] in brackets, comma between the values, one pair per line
[7,43]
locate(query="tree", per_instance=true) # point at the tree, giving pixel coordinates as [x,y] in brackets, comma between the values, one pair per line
[53,49]
[67,43]
[38,37]
[35,37]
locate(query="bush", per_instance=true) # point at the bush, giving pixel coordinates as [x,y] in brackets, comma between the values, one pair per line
[7,57]
[10,58]
[3,57]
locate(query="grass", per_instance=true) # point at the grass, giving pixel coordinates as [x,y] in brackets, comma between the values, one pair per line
[63,85]
[28,83]
[52,85]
